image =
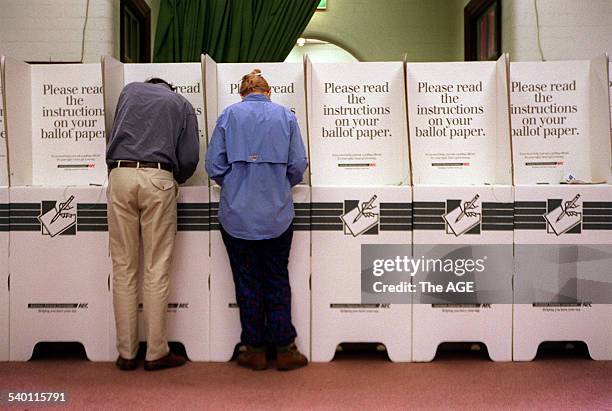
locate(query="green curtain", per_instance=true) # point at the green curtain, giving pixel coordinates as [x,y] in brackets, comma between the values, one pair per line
[230,31]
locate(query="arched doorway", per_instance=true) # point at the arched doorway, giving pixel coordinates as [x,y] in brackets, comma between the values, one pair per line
[319,51]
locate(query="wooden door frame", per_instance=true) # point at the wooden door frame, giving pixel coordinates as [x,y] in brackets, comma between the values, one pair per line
[142,10]
[471,12]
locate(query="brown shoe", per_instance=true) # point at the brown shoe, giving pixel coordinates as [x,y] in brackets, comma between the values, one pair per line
[126,365]
[253,358]
[289,358]
[169,361]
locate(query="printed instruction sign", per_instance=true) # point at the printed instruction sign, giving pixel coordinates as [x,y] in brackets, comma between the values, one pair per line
[459,131]
[68,138]
[559,127]
[358,133]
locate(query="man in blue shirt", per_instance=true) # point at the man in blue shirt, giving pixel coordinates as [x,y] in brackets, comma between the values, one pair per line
[154,144]
[256,155]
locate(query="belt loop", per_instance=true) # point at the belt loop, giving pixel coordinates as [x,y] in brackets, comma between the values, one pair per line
[159,166]
[119,163]
[138,164]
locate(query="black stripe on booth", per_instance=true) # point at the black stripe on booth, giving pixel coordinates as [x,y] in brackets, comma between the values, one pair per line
[91,206]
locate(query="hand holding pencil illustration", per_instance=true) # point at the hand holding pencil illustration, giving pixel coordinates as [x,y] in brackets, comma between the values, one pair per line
[63,206]
[364,207]
[468,205]
[568,206]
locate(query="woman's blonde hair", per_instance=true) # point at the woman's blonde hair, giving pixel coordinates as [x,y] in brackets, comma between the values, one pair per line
[253,82]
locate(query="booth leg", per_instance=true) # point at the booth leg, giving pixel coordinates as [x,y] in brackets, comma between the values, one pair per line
[322,352]
[96,353]
[398,351]
[421,353]
[195,353]
[525,352]
[601,350]
[21,351]
[499,352]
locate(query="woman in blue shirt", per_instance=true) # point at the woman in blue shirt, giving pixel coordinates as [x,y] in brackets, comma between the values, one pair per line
[256,155]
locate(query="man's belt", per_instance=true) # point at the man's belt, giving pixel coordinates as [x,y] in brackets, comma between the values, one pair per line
[139,164]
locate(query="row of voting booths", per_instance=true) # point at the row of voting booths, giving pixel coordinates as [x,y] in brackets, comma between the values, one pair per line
[448,161]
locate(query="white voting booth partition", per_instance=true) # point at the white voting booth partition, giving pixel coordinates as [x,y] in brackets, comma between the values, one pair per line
[459,126]
[4,230]
[338,314]
[59,269]
[4,274]
[188,302]
[610,93]
[460,148]
[3,159]
[287,83]
[55,132]
[561,131]
[360,196]
[560,112]
[483,236]
[186,77]
[567,230]
[55,121]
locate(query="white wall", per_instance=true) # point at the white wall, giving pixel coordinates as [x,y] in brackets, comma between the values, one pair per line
[425,30]
[320,53]
[52,30]
[45,30]
[569,29]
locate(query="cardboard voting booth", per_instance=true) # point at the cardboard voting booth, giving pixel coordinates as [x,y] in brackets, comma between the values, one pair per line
[338,314]
[563,289]
[186,77]
[460,148]
[357,121]
[286,82]
[471,225]
[287,88]
[60,269]
[3,157]
[561,132]
[560,121]
[4,274]
[610,84]
[224,315]
[4,230]
[55,133]
[359,167]
[459,126]
[188,303]
[55,124]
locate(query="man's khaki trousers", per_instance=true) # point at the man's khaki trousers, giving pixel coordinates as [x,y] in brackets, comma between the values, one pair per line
[141,204]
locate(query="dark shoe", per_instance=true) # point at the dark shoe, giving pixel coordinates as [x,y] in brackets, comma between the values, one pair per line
[253,358]
[126,365]
[169,361]
[289,358]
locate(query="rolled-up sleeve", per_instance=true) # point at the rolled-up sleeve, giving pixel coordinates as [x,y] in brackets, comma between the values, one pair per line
[298,161]
[217,165]
[188,147]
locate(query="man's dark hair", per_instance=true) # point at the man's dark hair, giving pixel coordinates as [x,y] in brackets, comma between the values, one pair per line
[157,80]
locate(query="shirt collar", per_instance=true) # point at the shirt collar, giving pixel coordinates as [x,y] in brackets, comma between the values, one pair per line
[256,97]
